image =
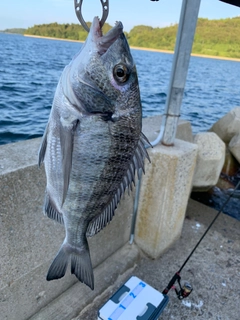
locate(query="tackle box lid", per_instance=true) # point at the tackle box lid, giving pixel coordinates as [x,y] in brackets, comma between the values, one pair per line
[135,300]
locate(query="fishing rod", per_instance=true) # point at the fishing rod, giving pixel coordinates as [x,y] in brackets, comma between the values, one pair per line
[186,289]
[150,303]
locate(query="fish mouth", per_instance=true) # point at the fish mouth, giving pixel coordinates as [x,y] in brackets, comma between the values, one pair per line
[104,42]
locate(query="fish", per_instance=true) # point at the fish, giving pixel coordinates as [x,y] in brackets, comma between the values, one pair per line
[92,146]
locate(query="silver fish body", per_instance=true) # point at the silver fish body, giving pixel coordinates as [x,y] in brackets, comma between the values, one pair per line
[92,145]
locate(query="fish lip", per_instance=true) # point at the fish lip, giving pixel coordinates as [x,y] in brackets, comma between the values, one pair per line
[104,42]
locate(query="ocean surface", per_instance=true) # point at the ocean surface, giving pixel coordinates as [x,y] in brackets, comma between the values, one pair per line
[30,69]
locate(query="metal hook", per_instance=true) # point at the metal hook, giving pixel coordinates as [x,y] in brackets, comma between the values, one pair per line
[78,10]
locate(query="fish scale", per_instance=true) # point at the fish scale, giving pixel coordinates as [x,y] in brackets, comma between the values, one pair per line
[92,146]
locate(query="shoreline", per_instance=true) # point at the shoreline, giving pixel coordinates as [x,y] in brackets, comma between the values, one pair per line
[52,38]
[142,48]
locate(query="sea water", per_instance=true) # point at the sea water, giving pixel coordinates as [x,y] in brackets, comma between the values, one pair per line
[30,69]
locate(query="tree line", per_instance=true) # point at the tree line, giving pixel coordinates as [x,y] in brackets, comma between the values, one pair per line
[213,37]
[14,30]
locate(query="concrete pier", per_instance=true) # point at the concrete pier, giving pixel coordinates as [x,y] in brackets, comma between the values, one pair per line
[164,196]
[213,270]
[29,241]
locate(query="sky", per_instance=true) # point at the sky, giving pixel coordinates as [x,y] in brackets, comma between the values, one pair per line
[26,13]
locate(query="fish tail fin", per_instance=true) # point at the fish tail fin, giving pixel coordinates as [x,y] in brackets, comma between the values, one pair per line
[81,264]
[59,265]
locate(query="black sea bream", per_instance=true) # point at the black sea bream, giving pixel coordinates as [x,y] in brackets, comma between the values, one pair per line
[92,145]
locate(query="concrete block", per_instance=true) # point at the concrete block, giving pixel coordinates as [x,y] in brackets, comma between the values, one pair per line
[151,128]
[210,160]
[164,196]
[234,146]
[228,126]
[29,240]
[231,165]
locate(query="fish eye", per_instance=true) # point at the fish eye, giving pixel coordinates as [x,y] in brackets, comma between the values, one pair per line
[121,73]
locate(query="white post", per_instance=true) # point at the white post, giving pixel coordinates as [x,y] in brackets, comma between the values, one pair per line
[183,48]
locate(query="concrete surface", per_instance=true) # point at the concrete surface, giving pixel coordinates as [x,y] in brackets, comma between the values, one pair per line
[234,146]
[19,155]
[164,196]
[151,128]
[29,241]
[73,300]
[228,126]
[210,160]
[213,270]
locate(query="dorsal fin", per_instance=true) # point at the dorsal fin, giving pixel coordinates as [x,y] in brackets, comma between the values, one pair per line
[137,163]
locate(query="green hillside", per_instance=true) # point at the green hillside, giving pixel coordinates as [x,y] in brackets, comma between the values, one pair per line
[14,30]
[218,37]
[65,31]
[213,37]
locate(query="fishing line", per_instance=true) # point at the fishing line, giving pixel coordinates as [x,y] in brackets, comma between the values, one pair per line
[138,185]
[186,289]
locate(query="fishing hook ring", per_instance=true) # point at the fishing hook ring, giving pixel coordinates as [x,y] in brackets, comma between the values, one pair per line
[78,10]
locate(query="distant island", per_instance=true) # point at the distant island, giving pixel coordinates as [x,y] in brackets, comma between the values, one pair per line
[219,38]
[14,30]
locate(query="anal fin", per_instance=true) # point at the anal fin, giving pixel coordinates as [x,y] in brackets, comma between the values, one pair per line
[51,211]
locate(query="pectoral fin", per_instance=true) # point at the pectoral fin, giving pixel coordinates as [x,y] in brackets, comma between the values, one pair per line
[67,141]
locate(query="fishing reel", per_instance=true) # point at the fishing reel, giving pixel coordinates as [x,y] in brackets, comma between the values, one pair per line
[183,291]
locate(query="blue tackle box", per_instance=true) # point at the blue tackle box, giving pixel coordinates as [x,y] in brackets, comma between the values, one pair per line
[135,300]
